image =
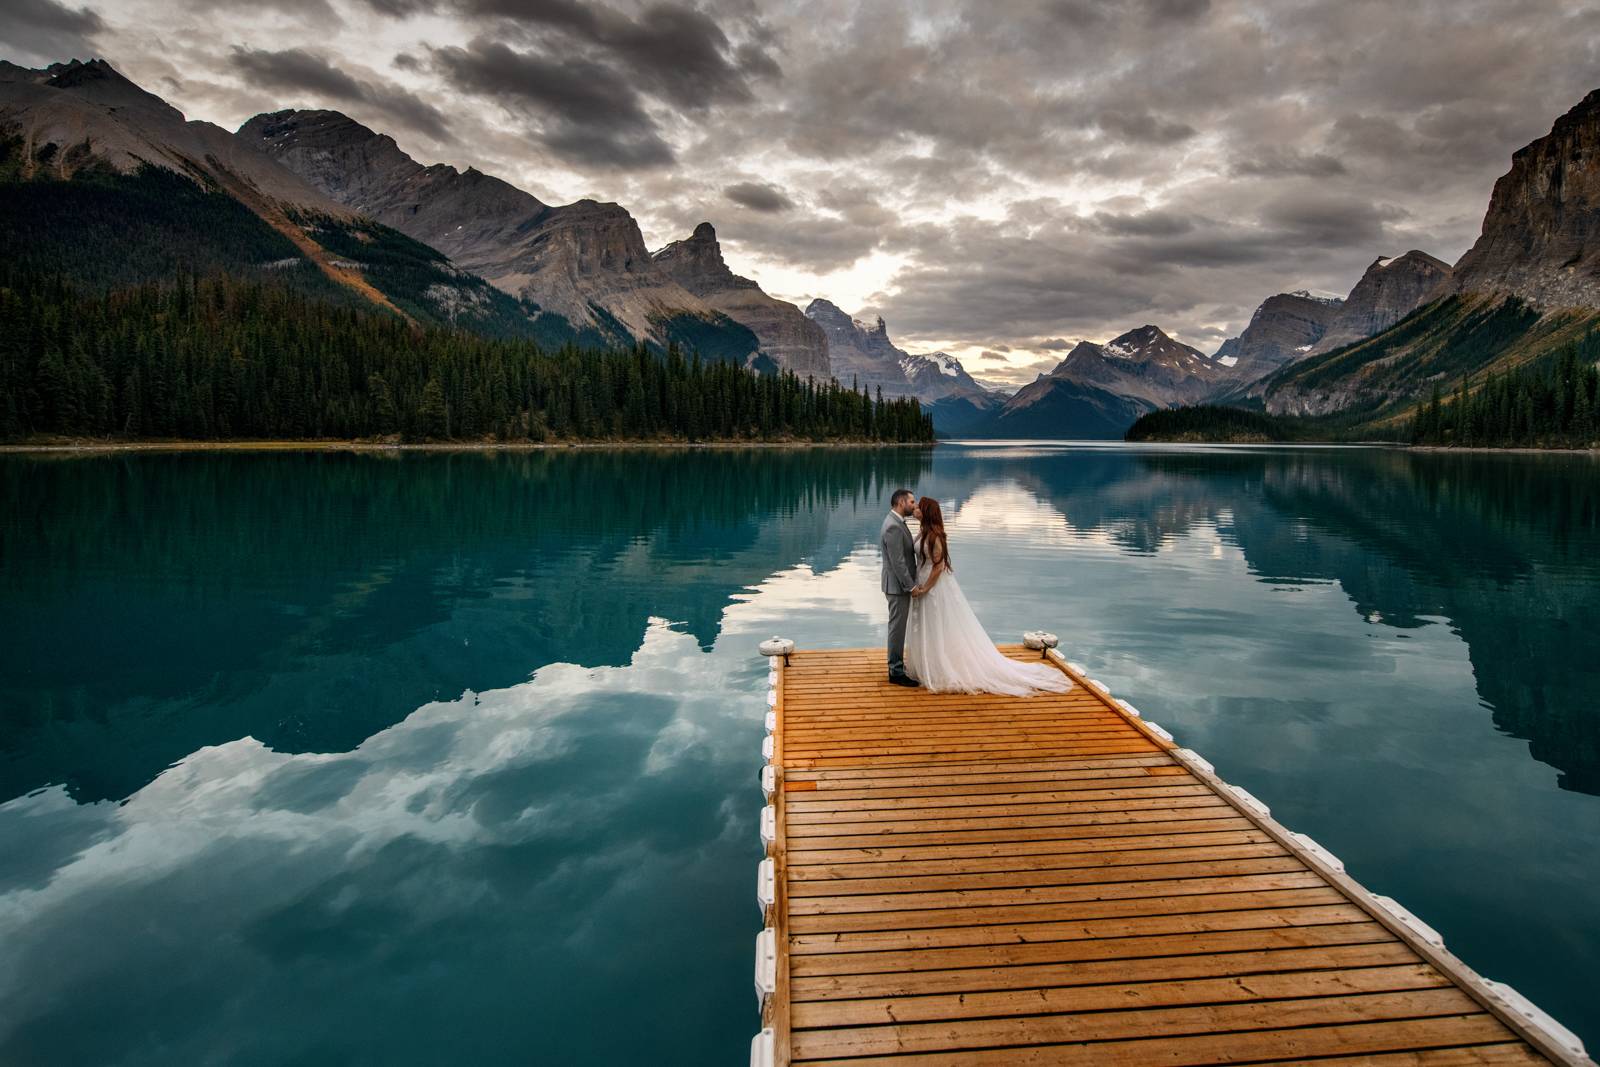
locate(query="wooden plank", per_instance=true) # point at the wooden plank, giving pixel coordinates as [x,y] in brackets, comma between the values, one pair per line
[1046,1000]
[1012,933]
[978,898]
[1095,972]
[1065,791]
[903,965]
[1019,833]
[1132,821]
[1109,777]
[1058,911]
[1058,846]
[1088,874]
[1111,1025]
[1079,806]
[1193,1050]
[965,754]
[981,767]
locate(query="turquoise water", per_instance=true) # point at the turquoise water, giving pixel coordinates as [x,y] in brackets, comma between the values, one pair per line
[325,758]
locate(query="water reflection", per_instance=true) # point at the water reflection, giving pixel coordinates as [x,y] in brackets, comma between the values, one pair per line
[155,604]
[451,758]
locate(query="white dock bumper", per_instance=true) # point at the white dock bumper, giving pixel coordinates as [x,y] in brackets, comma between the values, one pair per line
[1198,760]
[1410,921]
[1251,801]
[766,884]
[769,826]
[1539,1019]
[764,1049]
[1158,730]
[766,965]
[1318,851]
[1129,708]
[769,782]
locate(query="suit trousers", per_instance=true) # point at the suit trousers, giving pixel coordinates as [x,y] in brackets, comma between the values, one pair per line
[899,613]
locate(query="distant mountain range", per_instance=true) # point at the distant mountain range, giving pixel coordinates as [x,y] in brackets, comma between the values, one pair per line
[340,210]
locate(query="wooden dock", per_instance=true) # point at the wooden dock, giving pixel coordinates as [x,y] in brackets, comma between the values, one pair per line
[975,880]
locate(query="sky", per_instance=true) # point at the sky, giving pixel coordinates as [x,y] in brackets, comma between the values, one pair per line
[996,178]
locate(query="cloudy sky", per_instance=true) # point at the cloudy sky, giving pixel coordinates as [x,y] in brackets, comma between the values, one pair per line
[997,178]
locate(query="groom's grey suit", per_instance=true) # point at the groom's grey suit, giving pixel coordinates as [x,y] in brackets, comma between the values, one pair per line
[899,578]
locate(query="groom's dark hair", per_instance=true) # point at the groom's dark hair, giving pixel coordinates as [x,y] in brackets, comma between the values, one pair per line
[899,495]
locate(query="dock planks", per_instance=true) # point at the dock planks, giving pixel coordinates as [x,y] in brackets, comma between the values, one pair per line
[980,879]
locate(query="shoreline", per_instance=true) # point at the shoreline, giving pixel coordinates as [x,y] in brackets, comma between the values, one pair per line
[85,447]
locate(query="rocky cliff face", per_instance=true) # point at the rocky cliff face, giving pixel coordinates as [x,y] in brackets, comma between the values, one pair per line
[858,351]
[1541,235]
[73,115]
[786,334]
[1099,390]
[585,261]
[861,352]
[1283,329]
[1390,290]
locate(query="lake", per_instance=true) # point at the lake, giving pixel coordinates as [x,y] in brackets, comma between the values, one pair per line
[452,757]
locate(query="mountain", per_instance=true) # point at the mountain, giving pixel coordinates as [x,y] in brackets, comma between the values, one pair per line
[1528,288]
[1541,235]
[1099,390]
[584,262]
[107,184]
[1388,291]
[861,353]
[787,336]
[75,116]
[1283,328]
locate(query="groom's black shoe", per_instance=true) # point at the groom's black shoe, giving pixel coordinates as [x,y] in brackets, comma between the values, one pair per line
[905,680]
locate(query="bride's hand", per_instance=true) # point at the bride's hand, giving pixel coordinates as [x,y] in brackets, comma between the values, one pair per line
[917,590]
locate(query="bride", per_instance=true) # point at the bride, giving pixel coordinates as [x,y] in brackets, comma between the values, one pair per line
[947,648]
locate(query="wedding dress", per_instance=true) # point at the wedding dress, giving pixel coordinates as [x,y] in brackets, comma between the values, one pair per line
[948,651]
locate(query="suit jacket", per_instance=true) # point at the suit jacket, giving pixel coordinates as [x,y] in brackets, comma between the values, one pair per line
[899,556]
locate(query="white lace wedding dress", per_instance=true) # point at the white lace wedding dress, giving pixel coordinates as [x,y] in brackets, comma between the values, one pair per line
[948,651]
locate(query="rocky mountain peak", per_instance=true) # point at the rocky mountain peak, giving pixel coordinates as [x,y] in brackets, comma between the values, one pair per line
[1389,290]
[696,263]
[788,336]
[1283,329]
[100,83]
[1540,241]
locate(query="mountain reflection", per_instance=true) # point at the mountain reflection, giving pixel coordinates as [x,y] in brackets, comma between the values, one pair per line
[1500,546]
[153,604]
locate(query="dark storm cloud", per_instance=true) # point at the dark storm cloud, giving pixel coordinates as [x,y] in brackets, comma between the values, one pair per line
[674,52]
[1143,127]
[581,109]
[1274,161]
[1143,224]
[758,196]
[45,31]
[297,71]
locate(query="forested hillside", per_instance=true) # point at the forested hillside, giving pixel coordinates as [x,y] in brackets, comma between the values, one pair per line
[218,357]
[1551,404]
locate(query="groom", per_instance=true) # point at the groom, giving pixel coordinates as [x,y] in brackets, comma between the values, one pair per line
[899,578]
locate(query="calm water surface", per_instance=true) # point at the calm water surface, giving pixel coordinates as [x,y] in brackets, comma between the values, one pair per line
[320,758]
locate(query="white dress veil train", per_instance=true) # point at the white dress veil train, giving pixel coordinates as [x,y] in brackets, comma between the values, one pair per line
[948,650]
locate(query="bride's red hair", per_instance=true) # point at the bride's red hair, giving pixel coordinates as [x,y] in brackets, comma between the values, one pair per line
[932,529]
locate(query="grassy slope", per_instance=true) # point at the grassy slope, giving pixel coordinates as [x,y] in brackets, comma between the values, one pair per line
[1385,376]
